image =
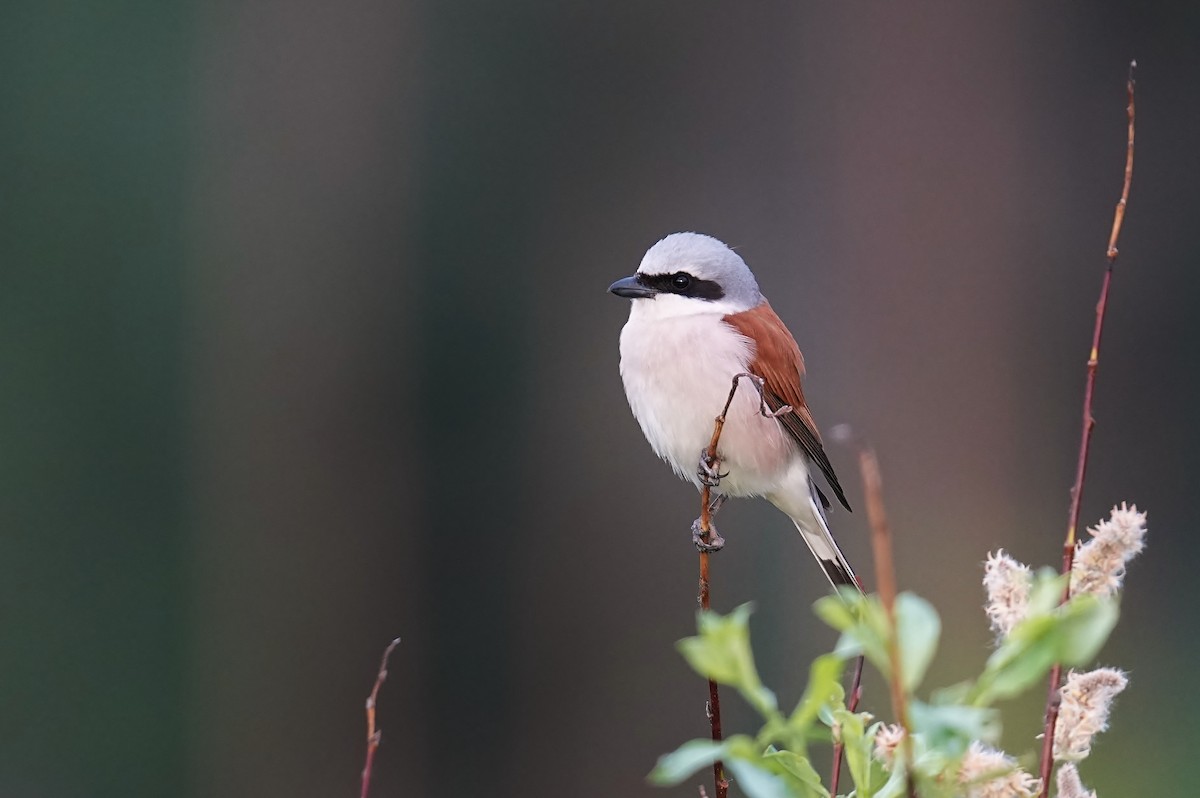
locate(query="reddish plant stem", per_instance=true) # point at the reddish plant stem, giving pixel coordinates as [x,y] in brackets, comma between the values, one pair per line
[1053,697]
[839,749]
[707,534]
[374,735]
[713,707]
[885,582]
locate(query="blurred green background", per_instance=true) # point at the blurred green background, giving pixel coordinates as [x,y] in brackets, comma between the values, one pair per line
[304,344]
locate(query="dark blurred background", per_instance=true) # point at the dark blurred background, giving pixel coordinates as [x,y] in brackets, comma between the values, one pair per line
[304,344]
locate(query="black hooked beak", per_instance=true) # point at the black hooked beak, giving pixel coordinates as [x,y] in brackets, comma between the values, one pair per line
[630,288]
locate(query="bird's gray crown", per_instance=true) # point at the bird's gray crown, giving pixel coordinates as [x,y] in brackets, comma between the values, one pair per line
[704,258]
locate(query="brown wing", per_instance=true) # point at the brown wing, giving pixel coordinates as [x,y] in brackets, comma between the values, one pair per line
[778,361]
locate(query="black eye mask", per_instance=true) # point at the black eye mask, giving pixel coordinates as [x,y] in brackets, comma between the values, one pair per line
[683,284]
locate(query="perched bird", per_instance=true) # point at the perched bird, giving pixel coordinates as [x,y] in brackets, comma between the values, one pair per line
[696,320]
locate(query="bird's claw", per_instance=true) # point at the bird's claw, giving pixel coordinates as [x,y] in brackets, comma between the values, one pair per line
[706,543]
[709,470]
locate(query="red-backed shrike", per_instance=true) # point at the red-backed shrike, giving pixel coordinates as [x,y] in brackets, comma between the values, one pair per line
[697,319]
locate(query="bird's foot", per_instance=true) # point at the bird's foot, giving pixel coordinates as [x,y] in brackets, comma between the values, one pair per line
[706,543]
[709,470]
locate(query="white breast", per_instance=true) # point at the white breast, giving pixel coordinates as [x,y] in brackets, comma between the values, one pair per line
[677,372]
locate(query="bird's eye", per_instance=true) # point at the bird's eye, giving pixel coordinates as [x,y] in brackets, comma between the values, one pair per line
[681,281]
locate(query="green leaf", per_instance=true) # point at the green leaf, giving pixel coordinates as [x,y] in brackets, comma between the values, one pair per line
[1071,634]
[918,628]
[896,786]
[798,772]
[1046,593]
[824,690]
[756,781]
[1024,657]
[950,728]
[1088,620]
[863,625]
[675,767]
[958,693]
[835,611]
[721,652]
[858,744]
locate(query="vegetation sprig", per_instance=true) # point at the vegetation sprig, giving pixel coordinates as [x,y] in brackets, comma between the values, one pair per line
[941,743]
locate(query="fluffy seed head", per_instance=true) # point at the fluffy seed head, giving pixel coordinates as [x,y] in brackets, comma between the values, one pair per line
[1086,701]
[1069,785]
[988,773]
[1007,583]
[887,741]
[1099,566]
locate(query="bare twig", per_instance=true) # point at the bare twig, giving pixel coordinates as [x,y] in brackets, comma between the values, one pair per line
[374,735]
[712,707]
[885,583]
[839,748]
[708,537]
[1089,422]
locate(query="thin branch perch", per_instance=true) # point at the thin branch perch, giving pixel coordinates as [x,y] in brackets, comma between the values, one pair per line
[711,542]
[374,735]
[1089,423]
[708,541]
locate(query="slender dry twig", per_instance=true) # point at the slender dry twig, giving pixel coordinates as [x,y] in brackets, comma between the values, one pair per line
[374,735]
[885,583]
[708,537]
[1089,422]
[712,464]
[712,707]
[839,748]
